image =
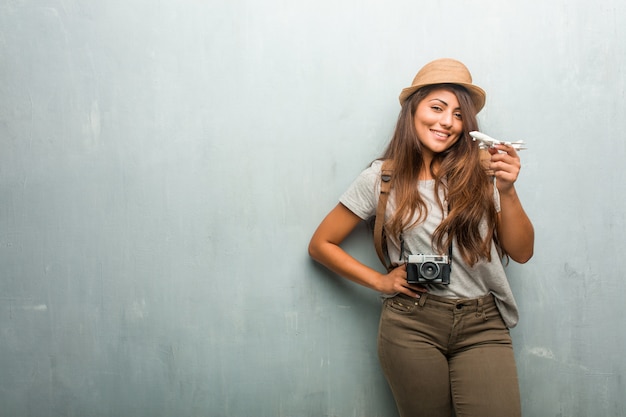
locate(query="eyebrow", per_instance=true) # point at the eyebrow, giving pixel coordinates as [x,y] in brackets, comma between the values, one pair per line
[438,99]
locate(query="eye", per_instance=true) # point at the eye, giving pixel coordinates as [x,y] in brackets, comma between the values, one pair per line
[458,115]
[436,108]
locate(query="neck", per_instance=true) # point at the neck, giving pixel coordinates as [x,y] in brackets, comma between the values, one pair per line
[425,176]
[427,172]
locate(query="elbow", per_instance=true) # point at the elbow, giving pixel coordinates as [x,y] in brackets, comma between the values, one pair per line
[319,251]
[523,253]
[520,246]
[522,258]
[313,250]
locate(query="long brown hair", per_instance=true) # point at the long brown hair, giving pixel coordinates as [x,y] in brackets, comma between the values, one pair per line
[467,187]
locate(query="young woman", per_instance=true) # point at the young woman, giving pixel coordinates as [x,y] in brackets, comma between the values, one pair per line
[445,348]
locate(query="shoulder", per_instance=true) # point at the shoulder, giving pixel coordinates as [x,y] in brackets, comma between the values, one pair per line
[375,167]
[362,195]
[371,174]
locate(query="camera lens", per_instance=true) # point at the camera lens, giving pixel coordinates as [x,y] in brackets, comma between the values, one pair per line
[429,270]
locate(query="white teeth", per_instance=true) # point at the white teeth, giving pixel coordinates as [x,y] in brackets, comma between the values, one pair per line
[440,134]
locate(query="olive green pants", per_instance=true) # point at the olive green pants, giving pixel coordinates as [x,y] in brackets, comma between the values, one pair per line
[446,358]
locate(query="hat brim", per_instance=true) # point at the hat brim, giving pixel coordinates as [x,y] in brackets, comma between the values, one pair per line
[476,93]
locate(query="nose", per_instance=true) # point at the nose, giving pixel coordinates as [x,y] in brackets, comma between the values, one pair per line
[446,119]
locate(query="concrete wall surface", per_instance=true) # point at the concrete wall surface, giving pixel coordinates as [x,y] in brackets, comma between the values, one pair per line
[163,165]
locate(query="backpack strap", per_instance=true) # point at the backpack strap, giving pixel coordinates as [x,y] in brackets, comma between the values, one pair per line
[380,238]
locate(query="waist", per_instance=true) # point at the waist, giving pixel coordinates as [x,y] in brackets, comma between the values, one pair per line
[467,304]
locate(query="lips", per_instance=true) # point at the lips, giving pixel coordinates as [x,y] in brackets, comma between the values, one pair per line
[440,135]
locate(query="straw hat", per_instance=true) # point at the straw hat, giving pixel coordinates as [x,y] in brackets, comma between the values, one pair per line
[446,71]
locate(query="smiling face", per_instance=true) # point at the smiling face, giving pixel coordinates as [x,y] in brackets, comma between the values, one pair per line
[438,122]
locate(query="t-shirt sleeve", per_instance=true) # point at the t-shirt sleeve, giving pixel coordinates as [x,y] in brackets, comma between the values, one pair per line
[361,197]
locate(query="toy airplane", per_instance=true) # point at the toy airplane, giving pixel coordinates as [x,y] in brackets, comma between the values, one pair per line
[488,142]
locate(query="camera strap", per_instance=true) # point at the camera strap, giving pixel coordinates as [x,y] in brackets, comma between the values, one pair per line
[380,238]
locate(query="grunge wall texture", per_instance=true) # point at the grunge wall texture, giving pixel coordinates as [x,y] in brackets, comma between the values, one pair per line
[163,165]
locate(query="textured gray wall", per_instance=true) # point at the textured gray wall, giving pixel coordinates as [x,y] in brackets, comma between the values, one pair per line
[164,163]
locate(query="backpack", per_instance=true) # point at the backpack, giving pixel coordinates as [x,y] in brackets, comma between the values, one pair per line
[380,238]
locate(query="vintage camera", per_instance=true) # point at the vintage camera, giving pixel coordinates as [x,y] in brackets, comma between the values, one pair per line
[428,269]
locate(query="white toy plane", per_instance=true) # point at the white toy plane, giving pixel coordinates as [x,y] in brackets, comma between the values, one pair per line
[485,141]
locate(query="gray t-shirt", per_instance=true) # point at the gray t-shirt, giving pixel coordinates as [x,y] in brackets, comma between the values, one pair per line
[465,282]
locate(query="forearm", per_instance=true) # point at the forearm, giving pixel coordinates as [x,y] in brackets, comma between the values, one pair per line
[340,262]
[515,230]
[325,248]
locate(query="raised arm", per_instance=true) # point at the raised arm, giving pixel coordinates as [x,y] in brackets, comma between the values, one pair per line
[515,230]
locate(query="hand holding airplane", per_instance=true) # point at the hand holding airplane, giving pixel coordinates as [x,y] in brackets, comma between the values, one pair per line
[486,142]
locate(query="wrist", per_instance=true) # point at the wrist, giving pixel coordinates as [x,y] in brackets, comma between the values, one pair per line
[508,192]
[376,282]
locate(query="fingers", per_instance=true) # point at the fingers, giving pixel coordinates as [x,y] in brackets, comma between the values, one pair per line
[505,165]
[415,290]
[503,152]
[398,279]
[412,290]
[396,283]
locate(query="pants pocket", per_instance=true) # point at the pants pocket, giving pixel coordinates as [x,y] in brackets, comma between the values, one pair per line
[400,305]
